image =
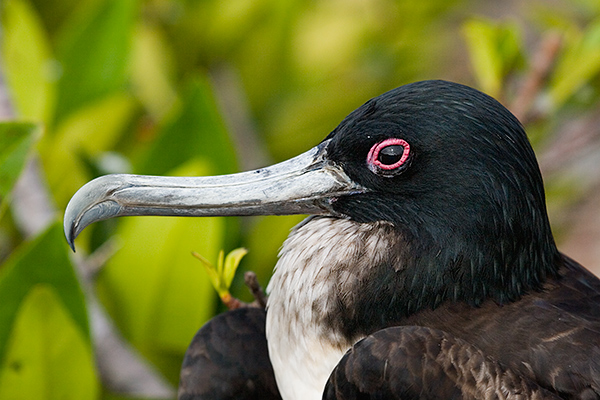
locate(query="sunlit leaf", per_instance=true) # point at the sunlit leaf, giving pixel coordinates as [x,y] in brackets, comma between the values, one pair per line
[48,356]
[232,261]
[571,73]
[493,50]
[152,71]
[42,261]
[93,51]
[329,39]
[16,141]
[211,270]
[223,273]
[154,288]
[220,260]
[27,61]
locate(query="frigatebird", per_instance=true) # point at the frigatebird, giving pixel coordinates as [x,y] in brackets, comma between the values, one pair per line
[426,269]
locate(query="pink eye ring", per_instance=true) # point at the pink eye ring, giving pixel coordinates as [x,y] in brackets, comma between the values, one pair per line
[387,156]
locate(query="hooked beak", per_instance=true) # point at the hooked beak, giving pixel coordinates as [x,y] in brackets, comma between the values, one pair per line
[305,184]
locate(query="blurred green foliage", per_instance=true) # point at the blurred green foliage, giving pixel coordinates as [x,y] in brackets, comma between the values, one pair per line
[191,87]
[495,52]
[44,335]
[16,141]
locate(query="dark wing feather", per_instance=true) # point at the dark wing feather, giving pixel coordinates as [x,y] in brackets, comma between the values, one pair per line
[551,336]
[228,359]
[411,362]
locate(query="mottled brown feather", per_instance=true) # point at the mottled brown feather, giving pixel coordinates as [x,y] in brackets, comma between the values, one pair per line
[413,362]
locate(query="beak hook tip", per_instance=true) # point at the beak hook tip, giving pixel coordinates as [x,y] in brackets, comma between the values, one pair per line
[70,235]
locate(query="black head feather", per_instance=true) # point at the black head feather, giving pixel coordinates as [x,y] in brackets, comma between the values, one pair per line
[469,205]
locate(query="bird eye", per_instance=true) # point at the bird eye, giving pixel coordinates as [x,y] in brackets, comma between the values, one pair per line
[386,157]
[390,155]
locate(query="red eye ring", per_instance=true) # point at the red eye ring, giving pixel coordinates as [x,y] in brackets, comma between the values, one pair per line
[373,156]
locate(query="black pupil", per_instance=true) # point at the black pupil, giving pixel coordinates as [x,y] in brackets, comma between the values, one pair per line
[390,155]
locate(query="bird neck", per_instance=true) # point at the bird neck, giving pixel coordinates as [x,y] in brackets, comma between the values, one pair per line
[321,268]
[345,279]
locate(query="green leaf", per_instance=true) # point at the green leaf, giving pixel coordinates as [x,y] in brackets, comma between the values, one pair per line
[42,261]
[27,61]
[93,50]
[222,275]
[232,261]
[571,74]
[213,274]
[196,131]
[16,141]
[220,259]
[493,50]
[154,289]
[48,355]
[152,72]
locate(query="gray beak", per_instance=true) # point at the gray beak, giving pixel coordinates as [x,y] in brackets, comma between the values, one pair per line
[306,184]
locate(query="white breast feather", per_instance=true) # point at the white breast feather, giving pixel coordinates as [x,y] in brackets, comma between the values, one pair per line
[313,264]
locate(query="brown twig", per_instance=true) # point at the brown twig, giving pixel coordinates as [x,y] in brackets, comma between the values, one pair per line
[259,295]
[260,299]
[541,64]
[233,303]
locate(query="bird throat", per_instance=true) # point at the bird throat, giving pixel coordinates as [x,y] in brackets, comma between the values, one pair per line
[313,295]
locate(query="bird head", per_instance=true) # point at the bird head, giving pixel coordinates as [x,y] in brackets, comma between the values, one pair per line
[448,167]
[453,171]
